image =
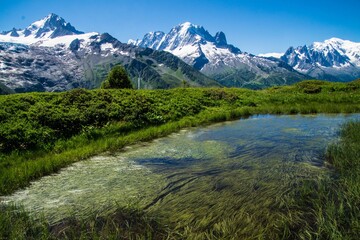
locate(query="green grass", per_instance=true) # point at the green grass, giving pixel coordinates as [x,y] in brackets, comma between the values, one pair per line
[40,133]
[124,223]
[333,204]
[326,207]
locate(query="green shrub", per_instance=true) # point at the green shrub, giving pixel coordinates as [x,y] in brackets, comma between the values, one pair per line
[311,86]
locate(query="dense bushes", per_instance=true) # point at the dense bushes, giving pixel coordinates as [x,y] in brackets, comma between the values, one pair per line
[38,120]
[30,121]
[24,134]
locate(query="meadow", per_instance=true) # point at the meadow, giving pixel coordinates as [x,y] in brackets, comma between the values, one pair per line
[40,133]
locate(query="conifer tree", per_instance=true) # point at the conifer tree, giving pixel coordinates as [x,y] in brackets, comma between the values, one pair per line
[117,78]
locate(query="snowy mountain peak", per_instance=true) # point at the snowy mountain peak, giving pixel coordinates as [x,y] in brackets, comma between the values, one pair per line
[335,39]
[52,26]
[184,40]
[192,43]
[50,19]
[332,57]
[343,46]
[184,29]
[150,40]
[187,25]
[48,32]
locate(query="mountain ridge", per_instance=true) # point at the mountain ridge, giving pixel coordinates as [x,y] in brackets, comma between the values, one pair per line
[218,59]
[52,55]
[333,59]
[52,59]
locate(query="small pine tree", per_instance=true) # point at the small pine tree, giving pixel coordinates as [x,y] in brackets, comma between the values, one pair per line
[117,78]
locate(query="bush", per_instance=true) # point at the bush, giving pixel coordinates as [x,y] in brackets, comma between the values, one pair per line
[24,134]
[311,86]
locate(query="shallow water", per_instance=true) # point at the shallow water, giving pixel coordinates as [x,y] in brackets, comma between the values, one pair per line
[238,169]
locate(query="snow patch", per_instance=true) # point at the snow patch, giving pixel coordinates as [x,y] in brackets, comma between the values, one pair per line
[107,47]
[185,51]
[344,65]
[274,54]
[46,41]
[124,53]
[66,40]
[38,24]
[133,42]
[214,53]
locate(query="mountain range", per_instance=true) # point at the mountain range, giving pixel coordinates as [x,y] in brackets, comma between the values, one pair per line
[334,59]
[52,55]
[214,57]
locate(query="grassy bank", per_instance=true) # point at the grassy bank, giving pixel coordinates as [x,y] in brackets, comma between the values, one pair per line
[125,223]
[330,207]
[41,133]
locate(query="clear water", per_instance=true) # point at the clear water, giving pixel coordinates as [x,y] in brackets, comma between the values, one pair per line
[230,169]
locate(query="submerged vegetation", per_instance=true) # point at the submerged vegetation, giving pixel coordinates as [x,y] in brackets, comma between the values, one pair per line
[40,133]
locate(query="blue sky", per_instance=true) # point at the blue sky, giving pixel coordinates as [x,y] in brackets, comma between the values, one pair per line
[255,26]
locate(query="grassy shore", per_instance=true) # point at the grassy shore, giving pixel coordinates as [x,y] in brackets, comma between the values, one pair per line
[330,208]
[41,133]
